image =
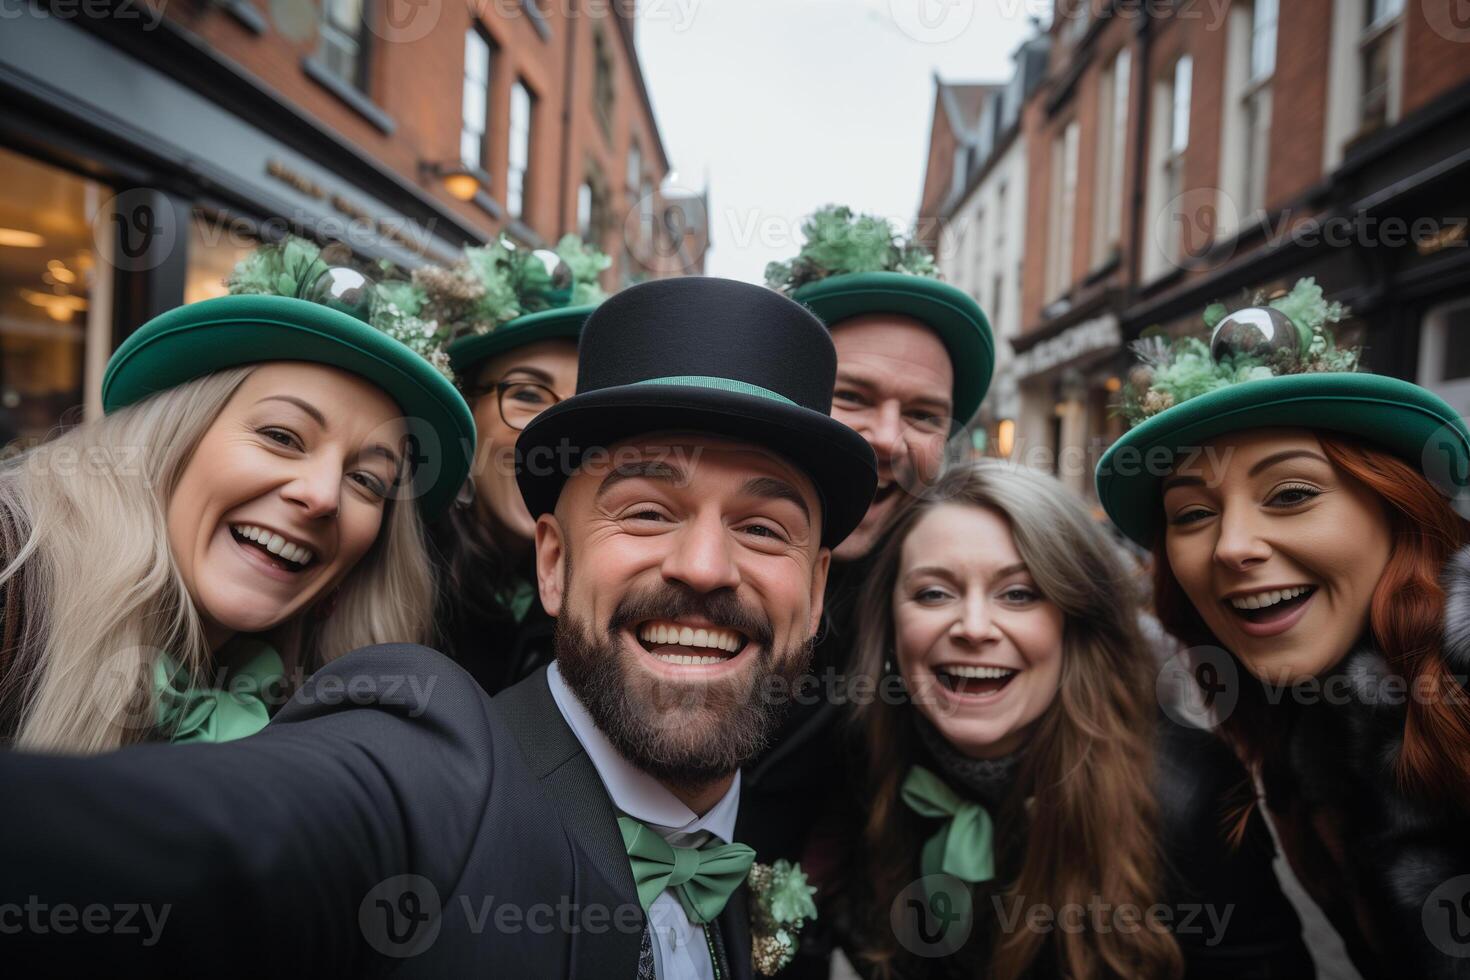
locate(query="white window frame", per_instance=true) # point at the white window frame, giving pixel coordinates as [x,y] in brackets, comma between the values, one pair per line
[1168,145]
[1059,251]
[518,156]
[475,99]
[1354,35]
[1113,116]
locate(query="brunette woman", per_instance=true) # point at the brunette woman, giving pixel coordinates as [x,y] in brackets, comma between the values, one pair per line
[512,362]
[1300,517]
[1026,774]
[245,511]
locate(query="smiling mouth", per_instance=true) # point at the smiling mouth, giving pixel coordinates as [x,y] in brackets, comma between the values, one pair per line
[283,554]
[1270,605]
[964,679]
[688,646]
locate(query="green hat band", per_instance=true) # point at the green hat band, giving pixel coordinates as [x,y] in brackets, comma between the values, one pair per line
[719,384]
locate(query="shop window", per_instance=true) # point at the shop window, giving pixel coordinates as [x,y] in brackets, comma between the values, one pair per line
[1444,353]
[55,314]
[216,244]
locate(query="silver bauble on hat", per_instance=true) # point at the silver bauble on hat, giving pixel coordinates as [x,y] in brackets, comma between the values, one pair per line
[343,288]
[1257,331]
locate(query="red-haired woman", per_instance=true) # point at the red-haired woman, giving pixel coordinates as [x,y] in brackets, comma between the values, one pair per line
[1025,810]
[1300,518]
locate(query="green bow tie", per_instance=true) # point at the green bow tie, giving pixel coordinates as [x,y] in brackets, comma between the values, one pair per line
[702,878]
[964,846]
[193,714]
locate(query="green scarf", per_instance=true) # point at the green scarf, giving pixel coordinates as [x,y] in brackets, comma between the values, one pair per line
[193,714]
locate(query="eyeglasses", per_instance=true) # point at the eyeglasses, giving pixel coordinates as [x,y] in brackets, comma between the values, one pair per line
[519,401]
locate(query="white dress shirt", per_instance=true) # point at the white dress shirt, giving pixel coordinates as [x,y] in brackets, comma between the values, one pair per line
[679,946]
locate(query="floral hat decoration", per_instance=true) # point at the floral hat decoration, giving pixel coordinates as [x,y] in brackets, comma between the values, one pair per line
[1272,363]
[853,264]
[500,296]
[287,302]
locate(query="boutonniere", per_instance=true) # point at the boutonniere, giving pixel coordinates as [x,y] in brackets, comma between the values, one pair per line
[781,907]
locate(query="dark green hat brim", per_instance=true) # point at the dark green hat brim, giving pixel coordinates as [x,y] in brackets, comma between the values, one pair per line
[838,460]
[566,323]
[200,338]
[1397,416]
[950,312]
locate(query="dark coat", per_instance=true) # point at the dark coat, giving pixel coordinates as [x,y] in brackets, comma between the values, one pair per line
[1197,778]
[1370,854]
[283,854]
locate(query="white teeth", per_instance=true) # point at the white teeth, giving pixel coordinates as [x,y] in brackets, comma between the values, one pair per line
[1270,597]
[274,543]
[978,673]
[687,660]
[666,633]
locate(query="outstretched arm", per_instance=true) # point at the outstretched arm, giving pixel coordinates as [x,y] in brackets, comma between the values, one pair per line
[249,857]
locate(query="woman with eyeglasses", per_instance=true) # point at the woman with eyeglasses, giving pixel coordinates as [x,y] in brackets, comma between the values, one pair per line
[510,371]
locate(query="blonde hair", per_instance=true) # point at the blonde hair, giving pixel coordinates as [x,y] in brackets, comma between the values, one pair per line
[100,597]
[1089,762]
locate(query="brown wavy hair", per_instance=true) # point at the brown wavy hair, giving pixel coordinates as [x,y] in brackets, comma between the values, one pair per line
[1405,618]
[1087,771]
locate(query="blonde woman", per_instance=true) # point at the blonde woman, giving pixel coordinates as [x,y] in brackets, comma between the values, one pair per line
[250,507]
[1026,813]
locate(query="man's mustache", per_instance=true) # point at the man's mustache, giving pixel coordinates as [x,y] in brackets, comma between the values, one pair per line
[720,608]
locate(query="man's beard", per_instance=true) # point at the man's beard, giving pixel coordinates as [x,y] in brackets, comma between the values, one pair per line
[685,733]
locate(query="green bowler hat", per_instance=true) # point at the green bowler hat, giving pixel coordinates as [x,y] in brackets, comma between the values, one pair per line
[565,323]
[197,339]
[950,312]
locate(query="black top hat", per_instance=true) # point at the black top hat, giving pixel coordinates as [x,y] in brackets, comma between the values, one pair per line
[707,355]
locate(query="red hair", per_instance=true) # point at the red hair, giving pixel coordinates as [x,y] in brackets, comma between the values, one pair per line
[1406,617]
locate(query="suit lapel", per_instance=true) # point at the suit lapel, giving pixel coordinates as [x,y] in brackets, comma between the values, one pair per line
[582,803]
[734,924]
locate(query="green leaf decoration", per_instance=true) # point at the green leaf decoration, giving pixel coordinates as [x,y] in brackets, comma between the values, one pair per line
[587,264]
[1170,372]
[839,241]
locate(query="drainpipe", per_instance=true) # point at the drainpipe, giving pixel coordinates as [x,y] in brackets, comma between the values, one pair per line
[568,88]
[1142,105]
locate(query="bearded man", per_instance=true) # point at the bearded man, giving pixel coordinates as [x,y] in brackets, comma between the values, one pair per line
[580,824]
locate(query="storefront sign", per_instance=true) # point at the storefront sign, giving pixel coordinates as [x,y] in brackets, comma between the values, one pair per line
[1087,337]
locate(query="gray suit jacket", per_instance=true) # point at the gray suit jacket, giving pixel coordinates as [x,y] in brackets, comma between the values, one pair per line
[392,819]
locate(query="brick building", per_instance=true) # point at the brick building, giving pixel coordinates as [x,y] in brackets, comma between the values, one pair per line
[1179,153]
[975,186]
[145,147]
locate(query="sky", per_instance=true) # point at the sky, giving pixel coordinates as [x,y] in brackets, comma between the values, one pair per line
[785,105]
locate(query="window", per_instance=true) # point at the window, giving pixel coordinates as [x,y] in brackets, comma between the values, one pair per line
[1379,46]
[342,41]
[476,101]
[602,82]
[55,291]
[592,208]
[1168,143]
[1107,221]
[522,114]
[1444,353]
[216,244]
[1256,144]
[1063,217]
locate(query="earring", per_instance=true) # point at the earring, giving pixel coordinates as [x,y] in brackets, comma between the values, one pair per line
[466,494]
